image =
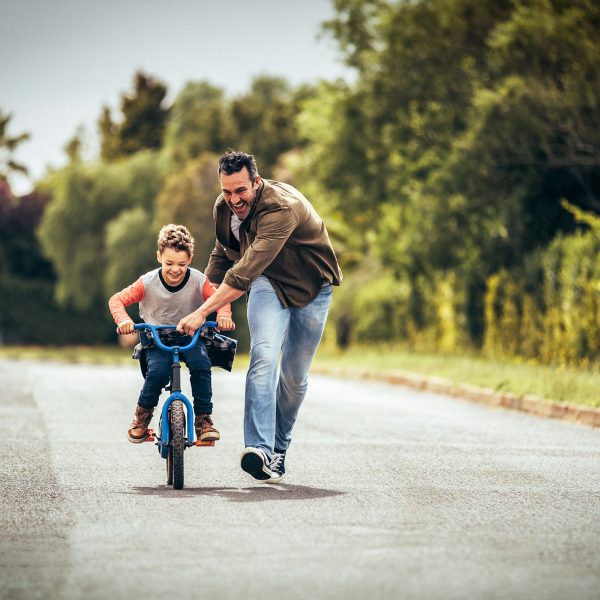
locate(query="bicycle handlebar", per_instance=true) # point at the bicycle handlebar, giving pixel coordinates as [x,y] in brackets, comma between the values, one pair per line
[155,328]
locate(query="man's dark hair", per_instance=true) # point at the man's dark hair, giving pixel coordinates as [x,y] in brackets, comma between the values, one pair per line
[234,161]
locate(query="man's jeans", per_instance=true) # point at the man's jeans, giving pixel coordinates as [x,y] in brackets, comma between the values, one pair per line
[159,371]
[272,402]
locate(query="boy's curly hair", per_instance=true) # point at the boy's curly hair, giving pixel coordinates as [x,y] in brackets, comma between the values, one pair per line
[177,237]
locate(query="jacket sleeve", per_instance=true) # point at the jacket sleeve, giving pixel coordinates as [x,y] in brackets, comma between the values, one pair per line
[218,264]
[208,289]
[273,229]
[130,295]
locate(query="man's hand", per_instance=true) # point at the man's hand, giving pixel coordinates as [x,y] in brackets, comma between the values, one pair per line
[191,323]
[125,327]
[225,324]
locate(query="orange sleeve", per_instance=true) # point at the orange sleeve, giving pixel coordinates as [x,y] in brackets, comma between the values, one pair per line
[208,289]
[130,295]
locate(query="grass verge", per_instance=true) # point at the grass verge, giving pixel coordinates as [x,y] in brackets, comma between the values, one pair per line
[561,384]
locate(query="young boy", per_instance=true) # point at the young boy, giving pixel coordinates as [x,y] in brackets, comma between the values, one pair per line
[165,295]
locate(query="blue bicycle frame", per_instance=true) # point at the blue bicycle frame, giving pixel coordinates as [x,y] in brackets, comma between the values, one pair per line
[165,434]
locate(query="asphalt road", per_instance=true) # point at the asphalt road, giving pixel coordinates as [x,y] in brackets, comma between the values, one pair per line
[390,493]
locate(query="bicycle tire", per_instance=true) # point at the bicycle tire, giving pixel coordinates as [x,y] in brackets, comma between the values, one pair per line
[177,425]
[169,467]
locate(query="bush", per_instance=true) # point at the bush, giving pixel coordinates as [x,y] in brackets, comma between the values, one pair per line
[29,315]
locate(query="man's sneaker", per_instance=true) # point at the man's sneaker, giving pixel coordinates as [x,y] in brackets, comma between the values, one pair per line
[138,431]
[205,432]
[277,467]
[256,462]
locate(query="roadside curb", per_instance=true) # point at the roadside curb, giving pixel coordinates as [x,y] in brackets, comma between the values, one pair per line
[585,415]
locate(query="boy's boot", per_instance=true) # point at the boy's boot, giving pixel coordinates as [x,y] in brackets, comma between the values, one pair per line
[138,431]
[205,432]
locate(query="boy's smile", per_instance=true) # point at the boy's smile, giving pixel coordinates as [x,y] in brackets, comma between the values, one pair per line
[174,265]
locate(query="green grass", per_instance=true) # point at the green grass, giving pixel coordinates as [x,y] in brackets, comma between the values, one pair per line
[563,384]
[70,354]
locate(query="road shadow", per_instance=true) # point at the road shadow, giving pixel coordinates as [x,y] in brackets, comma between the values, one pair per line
[262,493]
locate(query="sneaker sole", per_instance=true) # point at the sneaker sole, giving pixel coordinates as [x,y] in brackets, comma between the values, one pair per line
[274,480]
[253,464]
[136,440]
[210,437]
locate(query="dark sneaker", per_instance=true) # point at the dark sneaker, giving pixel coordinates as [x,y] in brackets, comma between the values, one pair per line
[138,431]
[205,432]
[256,462]
[277,467]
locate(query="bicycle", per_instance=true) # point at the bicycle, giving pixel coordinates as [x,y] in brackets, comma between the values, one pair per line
[172,440]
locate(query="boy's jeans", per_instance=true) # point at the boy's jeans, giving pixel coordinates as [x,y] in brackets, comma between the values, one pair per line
[272,403]
[159,372]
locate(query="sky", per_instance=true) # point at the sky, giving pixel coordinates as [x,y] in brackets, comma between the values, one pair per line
[62,60]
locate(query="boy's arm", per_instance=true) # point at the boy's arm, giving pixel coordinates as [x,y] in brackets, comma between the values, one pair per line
[117,303]
[224,313]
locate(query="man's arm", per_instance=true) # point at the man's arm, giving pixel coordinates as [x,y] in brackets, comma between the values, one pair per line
[273,230]
[225,294]
[218,264]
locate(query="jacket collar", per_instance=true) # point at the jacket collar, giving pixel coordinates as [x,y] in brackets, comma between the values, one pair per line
[259,191]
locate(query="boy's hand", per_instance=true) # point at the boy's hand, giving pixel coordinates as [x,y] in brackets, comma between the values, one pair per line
[225,324]
[125,327]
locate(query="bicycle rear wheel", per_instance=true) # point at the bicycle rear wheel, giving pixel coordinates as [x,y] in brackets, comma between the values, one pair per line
[175,458]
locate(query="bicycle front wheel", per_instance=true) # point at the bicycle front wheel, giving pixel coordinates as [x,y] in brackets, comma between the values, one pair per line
[177,427]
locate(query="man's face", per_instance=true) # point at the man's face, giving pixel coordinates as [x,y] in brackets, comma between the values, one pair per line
[239,191]
[174,265]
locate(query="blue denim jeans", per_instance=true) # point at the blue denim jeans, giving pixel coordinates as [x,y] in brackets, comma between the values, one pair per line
[273,397]
[159,371]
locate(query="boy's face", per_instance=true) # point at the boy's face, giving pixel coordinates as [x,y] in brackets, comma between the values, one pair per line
[174,264]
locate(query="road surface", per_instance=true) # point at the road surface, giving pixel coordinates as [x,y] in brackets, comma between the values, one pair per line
[390,493]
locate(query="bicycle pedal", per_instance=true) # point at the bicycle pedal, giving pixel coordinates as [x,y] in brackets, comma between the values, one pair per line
[151,437]
[200,443]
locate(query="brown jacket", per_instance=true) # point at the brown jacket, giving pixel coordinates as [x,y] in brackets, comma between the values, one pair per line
[283,238]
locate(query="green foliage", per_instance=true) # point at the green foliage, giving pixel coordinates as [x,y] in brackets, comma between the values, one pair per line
[73,147]
[550,310]
[450,158]
[571,269]
[20,253]
[143,123]
[200,122]
[264,119]
[8,145]
[130,248]
[30,315]
[459,176]
[188,199]
[86,198]
[109,136]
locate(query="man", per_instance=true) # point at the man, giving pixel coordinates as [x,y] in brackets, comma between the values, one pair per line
[271,243]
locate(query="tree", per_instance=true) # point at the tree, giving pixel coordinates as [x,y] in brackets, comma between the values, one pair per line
[20,253]
[130,243]
[468,123]
[143,122]
[144,116]
[265,121]
[86,198]
[8,145]
[200,122]
[109,136]
[74,146]
[188,198]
